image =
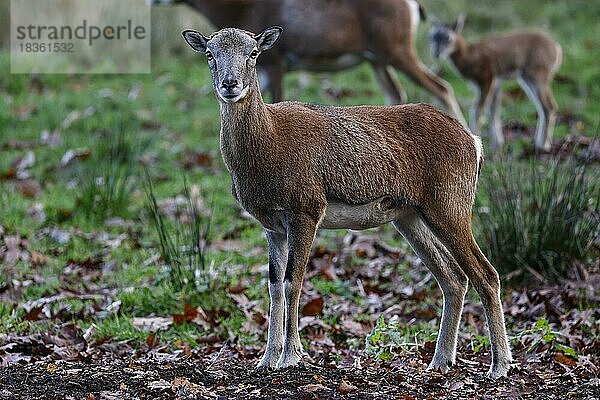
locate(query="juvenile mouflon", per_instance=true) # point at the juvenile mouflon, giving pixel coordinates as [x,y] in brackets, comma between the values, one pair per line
[300,167]
[380,32]
[531,57]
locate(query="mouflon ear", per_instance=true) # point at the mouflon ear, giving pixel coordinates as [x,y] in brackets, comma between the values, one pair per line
[195,39]
[268,37]
[459,24]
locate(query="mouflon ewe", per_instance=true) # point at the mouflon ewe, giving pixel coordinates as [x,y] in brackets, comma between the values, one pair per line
[300,167]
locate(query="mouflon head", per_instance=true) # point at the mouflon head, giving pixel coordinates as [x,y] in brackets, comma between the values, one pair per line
[231,54]
[443,37]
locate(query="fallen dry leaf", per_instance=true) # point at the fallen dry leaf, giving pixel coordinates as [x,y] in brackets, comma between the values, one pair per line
[72,155]
[346,388]
[313,307]
[354,328]
[189,314]
[210,339]
[183,387]
[36,211]
[50,139]
[23,162]
[152,340]
[565,360]
[33,314]
[161,384]
[312,387]
[10,174]
[201,159]
[228,245]
[152,324]
[406,397]
[29,188]
[60,236]
[70,118]
[15,250]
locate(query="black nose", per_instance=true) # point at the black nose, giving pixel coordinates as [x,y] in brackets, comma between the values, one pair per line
[229,83]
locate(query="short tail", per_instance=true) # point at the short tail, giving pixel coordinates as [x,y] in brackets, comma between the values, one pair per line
[417,14]
[559,58]
[479,152]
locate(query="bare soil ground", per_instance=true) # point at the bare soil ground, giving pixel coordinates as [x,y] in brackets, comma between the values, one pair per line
[228,374]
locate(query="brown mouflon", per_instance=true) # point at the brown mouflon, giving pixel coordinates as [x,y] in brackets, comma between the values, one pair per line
[300,167]
[528,56]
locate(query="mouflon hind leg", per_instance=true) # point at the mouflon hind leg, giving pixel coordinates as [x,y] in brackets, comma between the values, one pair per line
[392,91]
[454,230]
[495,124]
[451,279]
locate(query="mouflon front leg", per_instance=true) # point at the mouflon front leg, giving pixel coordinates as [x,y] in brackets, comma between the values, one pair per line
[301,233]
[278,255]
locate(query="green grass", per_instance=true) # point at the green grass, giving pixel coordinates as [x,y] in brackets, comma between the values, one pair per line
[541,218]
[388,338]
[184,250]
[127,121]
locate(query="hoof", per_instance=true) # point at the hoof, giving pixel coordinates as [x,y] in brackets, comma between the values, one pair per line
[289,359]
[498,370]
[501,363]
[265,364]
[269,360]
[440,364]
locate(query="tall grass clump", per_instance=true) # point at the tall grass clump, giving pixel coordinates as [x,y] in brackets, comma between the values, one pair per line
[540,218]
[183,243]
[109,177]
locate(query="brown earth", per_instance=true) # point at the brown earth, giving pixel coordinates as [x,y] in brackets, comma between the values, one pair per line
[228,374]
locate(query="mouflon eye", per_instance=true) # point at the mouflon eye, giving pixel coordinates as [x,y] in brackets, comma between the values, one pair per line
[209,56]
[254,54]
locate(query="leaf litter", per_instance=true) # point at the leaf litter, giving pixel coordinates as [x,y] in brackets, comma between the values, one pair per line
[554,332]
